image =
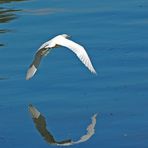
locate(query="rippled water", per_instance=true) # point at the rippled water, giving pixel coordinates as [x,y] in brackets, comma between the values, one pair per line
[115,34]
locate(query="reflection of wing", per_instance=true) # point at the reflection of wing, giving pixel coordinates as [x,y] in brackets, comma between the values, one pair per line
[78,50]
[35,64]
[90,130]
[40,124]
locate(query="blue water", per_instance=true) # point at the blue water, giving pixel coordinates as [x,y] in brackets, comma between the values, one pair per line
[114,33]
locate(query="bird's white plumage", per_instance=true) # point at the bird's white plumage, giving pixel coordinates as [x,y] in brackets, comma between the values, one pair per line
[60,40]
[77,49]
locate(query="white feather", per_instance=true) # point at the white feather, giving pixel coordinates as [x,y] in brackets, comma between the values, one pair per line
[77,49]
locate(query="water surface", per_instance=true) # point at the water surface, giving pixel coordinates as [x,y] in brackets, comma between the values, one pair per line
[114,33]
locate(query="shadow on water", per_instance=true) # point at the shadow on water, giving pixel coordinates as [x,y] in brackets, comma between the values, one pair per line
[3,78]
[1,45]
[40,124]
[8,1]
[7,15]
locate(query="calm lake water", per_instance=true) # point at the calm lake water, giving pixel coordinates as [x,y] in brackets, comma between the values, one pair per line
[115,35]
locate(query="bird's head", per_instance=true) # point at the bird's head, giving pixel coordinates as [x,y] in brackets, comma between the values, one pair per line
[66,36]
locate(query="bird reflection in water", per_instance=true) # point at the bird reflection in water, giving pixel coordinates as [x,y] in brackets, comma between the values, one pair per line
[40,123]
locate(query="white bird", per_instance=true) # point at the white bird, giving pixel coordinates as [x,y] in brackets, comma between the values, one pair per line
[60,40]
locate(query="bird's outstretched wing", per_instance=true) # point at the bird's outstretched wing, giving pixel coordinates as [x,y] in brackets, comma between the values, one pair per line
[78,50]
[35,64]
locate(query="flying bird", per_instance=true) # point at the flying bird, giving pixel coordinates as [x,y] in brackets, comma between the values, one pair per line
[59,40]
